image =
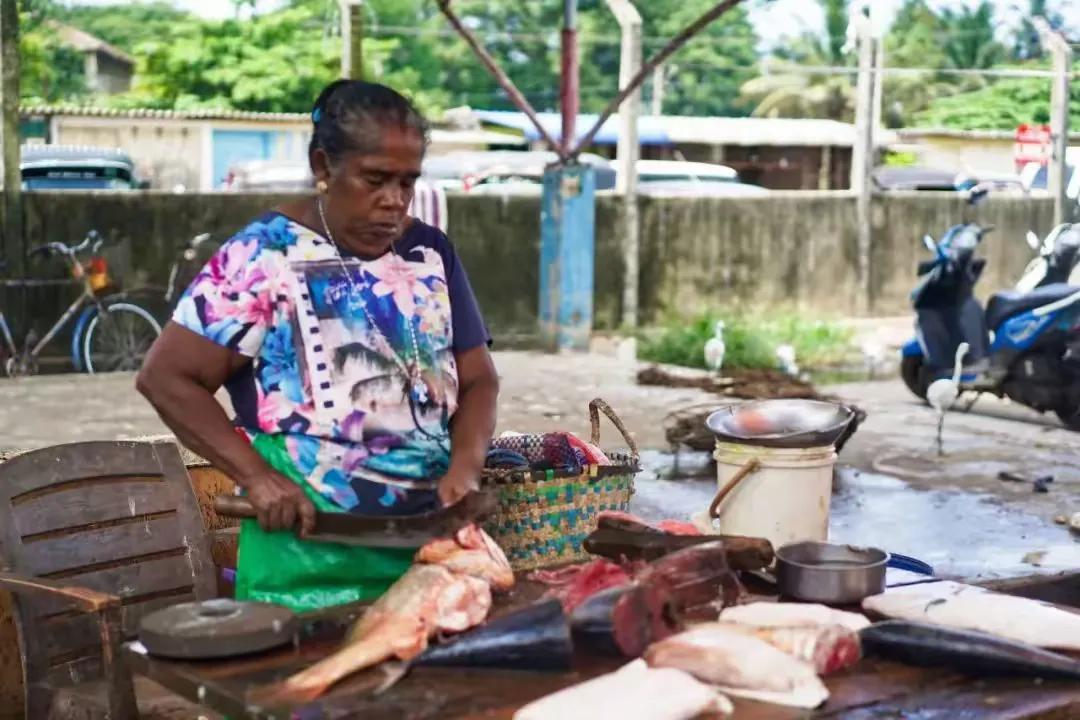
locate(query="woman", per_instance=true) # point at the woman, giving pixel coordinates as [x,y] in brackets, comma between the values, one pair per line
[350,342]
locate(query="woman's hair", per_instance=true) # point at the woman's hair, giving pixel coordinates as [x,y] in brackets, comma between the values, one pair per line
[350,114]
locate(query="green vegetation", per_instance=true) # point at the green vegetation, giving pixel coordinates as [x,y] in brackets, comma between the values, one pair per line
[750,341]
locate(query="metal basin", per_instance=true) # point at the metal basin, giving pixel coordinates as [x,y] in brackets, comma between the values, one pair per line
[830,574]
[781,423]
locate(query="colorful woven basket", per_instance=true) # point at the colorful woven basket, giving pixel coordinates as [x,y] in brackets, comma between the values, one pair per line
[544,516]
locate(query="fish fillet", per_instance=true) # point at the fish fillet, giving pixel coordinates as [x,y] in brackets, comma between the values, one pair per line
[828,648]
[634,692]
[966,607]
[773,614]
[740,665]
[447,591]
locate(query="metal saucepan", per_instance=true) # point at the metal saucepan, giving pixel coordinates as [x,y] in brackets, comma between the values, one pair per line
[781,423]
[830,574]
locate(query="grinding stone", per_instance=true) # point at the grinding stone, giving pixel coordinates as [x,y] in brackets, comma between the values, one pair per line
[216,628]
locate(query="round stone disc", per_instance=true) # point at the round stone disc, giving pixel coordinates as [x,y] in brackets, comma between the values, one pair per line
[216,628]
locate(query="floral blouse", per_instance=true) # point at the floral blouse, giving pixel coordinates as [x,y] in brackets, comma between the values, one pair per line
[330,342]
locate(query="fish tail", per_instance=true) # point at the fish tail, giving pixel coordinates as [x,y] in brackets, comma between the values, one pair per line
[309,684]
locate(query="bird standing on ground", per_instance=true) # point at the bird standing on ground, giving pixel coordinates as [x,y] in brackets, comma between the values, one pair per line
[785,354]
[873,354]
[715,349]
[943,393]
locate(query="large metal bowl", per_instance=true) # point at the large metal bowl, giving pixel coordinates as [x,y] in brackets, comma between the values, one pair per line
[781,423]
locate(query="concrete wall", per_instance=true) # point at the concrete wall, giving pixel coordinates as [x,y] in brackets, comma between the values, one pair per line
[789,249]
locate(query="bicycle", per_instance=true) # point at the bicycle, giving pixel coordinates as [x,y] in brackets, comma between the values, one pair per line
[112,334]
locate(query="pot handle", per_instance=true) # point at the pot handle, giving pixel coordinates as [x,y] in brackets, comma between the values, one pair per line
[748,468]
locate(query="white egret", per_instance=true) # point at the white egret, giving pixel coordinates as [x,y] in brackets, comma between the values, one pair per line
[943,393]
[715,348]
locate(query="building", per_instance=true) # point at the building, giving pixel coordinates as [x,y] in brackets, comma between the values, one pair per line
[194,150]
[108,69]
[777,153]
[970,151]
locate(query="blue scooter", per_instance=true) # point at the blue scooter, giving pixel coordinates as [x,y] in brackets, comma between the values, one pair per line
[1024,346]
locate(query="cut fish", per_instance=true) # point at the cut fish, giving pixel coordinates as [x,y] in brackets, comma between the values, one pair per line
[634,692]
[775,614]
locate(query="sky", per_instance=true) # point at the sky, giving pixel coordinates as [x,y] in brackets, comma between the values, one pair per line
[772,20]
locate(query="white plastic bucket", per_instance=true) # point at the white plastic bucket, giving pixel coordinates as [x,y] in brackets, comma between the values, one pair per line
[786,500]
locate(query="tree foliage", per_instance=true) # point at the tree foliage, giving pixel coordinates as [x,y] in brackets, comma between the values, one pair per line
[1001,106]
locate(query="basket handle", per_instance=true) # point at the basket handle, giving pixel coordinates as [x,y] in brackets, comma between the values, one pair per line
[598,406]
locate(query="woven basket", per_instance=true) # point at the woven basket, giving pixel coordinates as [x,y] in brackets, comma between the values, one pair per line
[544,516]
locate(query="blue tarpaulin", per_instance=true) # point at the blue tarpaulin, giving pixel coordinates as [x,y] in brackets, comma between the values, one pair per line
[650,131]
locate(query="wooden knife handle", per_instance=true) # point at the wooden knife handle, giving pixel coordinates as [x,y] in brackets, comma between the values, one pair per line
[234,506]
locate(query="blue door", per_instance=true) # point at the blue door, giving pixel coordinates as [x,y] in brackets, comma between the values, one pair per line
[233,146]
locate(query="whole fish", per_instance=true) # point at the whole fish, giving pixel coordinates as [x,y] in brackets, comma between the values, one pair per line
[829,648]
[774,614]
[966,607]
[741,665]
[970,652]
[634,692]
[447,591]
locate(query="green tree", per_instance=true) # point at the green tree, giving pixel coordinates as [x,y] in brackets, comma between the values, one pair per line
[968,37]
[49,72]
[1001,106]
[785,89]
[914,41]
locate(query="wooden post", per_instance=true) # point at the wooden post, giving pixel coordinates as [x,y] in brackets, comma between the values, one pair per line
[1057,172]
[12,242]
[352,39]
[658,91]
[628,152]
[862,158]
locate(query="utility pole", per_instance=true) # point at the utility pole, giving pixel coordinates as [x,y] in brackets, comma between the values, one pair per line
[629,150]
[1061,57]
[862,156]
[658,80]
[569,99]
[11,245]
[352,39]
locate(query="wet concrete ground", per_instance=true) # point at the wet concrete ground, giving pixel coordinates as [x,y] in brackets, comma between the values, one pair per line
[952,512]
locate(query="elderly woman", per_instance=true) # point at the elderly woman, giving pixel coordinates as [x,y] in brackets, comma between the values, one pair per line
[355,355]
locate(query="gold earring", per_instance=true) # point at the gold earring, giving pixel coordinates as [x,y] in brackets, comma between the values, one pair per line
[322,187]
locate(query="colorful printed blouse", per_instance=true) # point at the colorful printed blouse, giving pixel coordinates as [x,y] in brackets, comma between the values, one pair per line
[321,377]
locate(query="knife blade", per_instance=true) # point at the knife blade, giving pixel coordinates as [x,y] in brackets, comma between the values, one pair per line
[396,531]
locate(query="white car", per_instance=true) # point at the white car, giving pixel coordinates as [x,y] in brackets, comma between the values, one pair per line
[697,179]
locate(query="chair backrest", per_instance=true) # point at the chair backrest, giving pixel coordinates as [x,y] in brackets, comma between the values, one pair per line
[117,517]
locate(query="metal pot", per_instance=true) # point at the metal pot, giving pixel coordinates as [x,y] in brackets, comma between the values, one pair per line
[781,423]
[831,574]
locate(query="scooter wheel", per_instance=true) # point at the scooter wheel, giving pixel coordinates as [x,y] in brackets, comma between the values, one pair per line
[914,375]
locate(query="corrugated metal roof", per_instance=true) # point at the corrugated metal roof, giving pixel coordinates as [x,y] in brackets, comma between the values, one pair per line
[146,113]
[680,129]
[1010,135]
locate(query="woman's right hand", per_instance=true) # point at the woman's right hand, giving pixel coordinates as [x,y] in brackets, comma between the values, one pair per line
[280,503]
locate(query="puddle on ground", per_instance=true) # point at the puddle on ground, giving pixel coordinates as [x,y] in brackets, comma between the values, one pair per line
[961,533]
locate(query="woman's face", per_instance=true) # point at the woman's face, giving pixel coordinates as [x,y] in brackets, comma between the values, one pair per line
[369,194]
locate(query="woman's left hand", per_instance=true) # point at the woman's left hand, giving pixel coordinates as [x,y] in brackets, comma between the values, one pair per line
[455,485]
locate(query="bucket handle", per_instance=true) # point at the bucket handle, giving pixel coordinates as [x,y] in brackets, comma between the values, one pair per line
[598,406]
[748,468]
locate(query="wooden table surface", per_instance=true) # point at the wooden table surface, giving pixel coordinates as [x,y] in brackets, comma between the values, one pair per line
[873,690]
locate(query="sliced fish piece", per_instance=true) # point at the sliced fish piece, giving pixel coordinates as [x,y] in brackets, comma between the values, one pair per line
[971,652]
[776,614]
[828,648]
[740,664]
[634,692]
[966,607]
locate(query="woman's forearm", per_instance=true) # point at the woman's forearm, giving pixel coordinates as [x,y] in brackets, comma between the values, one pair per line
[473,425]
[200,423]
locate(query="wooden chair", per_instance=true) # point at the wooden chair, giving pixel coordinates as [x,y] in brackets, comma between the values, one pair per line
[93,536]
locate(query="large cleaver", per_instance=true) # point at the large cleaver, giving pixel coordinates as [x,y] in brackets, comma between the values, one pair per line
[397,531]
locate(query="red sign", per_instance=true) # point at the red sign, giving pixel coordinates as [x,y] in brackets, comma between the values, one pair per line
[1032,145]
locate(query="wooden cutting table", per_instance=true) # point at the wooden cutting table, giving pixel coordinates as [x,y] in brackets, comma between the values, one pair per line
[873,690]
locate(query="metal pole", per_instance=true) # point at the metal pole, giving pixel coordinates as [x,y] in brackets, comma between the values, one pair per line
[12,241]
[862,157]
[568,86]
[352,39]
[628,151]
[1061,56]
[500,77]
[667,51]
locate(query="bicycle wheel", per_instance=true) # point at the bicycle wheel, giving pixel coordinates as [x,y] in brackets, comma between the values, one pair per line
[118,339]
